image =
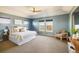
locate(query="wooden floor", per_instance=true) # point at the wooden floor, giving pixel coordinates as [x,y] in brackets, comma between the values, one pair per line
[5,45]
[41,44]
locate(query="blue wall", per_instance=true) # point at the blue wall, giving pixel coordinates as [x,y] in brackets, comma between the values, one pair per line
[11,17]
[31,26]
[59,22]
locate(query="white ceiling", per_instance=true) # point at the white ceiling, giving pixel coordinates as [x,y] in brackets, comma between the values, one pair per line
[25,11]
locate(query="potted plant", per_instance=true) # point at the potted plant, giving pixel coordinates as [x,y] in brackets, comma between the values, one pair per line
[74,32]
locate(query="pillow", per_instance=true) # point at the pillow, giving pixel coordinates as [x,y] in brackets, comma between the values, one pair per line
[21,30]
[15,30]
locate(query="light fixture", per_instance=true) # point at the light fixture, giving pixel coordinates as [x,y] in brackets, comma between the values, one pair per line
[34,10]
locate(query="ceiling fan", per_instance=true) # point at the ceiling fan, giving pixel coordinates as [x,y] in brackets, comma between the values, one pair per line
[35,10]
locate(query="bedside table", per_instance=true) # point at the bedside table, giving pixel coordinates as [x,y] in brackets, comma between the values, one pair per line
[5,37]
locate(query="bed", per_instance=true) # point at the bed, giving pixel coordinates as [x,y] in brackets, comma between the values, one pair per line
[20,38]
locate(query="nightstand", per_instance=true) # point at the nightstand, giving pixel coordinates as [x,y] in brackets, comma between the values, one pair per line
[5,37]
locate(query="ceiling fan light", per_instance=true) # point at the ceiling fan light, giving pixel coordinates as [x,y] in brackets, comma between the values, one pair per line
[35,9]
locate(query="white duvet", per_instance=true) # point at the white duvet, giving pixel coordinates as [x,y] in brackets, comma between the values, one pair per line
[20,38]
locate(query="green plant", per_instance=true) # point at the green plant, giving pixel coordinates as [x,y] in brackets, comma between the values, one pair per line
[74,31]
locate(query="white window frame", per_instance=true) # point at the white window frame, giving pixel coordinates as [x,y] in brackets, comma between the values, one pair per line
[49,23]
[25,22]
[76,26]
[5,21]
[18,22]
[43,26]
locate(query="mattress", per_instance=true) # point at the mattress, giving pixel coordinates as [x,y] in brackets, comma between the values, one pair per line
[20,38]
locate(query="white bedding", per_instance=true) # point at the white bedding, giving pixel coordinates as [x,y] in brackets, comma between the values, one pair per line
[20,38]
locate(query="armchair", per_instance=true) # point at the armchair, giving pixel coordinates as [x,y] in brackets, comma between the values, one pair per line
[61,35]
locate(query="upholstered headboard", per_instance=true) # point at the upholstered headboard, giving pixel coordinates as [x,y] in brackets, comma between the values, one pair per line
[18,29]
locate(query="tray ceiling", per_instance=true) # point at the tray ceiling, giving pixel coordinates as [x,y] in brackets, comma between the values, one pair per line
[26,11]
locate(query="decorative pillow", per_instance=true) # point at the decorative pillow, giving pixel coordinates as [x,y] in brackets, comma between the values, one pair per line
[21,30]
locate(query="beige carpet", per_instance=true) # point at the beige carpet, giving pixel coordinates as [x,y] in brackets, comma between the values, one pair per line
[41,44]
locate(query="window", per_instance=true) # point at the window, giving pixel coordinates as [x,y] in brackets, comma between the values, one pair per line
[18,22]
[42,26]
[49,25]
[4,21]
[46,25]
[76,26]
[25,22]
